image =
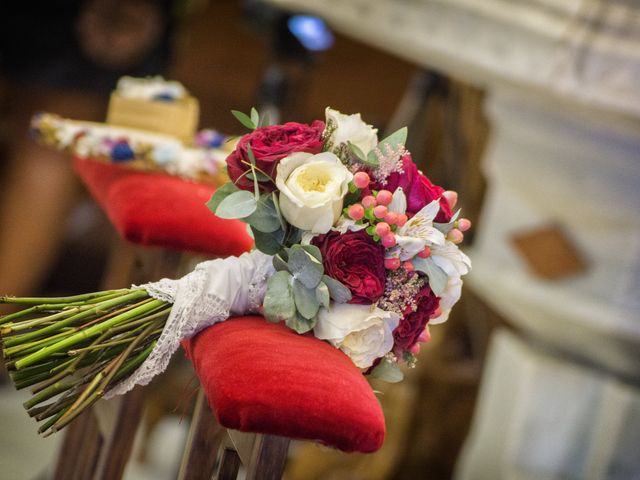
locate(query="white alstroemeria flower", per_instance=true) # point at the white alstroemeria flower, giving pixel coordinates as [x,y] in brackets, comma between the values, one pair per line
[312,190]
[398,201]
[448,298]
[418,233]
[351,128]
[362,332]
[450,259]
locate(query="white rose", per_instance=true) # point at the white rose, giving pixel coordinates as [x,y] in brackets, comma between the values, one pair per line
[351,128]
[363,333]
[312,190]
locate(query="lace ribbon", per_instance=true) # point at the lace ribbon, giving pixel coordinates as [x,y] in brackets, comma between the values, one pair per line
[212,292]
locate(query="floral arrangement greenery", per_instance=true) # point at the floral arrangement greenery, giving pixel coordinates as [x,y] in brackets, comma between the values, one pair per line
[362,252]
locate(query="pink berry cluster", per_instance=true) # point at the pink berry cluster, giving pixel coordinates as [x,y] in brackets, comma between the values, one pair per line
[383,223]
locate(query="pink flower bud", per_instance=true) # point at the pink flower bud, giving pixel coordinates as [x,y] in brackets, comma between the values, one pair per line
[389,240]
[391,218]
[356,211]
[361,180]
[380,211]
[369,201]
[425,336]
[455,236]
[392,263]
[384,197]
[426,253]
[382,229]
[464,224]
[415,349]
[402,219]
[451,197]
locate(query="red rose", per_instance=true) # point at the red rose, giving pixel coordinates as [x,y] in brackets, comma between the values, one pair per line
[269,145]
[357,261]
[418,189]
[413,324]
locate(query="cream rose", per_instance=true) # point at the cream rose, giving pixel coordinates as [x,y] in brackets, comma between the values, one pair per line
[363,333]
[351,128]
[312,190]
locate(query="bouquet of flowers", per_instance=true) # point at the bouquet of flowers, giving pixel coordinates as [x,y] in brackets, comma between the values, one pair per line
[353,244]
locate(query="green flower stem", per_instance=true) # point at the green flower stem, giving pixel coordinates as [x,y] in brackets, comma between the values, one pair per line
[89,332]
[51,300]
[97,309]
[45,426]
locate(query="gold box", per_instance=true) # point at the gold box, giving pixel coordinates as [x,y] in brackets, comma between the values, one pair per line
[178,118]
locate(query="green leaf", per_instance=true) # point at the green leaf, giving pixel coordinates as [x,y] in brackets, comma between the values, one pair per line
[255,116]
[239,204]
[387,371]
[265,218]
[301,324]
[279,263]
[305,267]
[269,243]
[313,251]
[265,120]
[322,295]
[244,119]
[276,204]
[337,290]
[357,152]
[447,227]
[220,194]
[306,301]
[399,137]
[279,303]
[258,175]
[437,276]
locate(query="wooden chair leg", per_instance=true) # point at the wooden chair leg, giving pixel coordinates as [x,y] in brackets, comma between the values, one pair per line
[229,465]
[83,435]
[205,437]
[263,456]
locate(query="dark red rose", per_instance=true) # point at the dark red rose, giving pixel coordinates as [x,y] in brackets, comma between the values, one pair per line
[269,145]
[357,261]
[413,324]
[418,189]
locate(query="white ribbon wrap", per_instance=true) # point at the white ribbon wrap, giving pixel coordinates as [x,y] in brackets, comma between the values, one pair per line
[215,290]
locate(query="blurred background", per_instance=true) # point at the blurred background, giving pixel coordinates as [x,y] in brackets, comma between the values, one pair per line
[529,109]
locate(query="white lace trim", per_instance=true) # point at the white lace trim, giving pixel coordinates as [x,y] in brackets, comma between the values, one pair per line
[207,295]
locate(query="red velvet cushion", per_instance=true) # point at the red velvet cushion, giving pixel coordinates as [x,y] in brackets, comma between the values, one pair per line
[262,377]
[161,210]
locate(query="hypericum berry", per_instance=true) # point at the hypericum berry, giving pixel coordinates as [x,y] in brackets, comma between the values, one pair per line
[425,336]
[380,211]
[451,197]
[369,201]
[356,211]
[382,229]
[426,253]
[464,224]
[415,349]
[391,218]
[408,266]
[455,236]
[384,197]
[392,263]
[389,240]
[402,219]
[361,180]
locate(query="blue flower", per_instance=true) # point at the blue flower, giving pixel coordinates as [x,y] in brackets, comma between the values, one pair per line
[122,152]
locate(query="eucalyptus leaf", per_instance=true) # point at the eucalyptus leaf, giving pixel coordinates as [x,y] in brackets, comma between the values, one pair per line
[244,119]
[269,243]
[238,204]
[305,267]
[437,277]
[306,301]
[337,290]
[322,295]
[276,204]
[372,160]
[301,324]
[313,251]
[265,218]
[357,152]
[387,372]
[279,303]
[279,264]
[220,194]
